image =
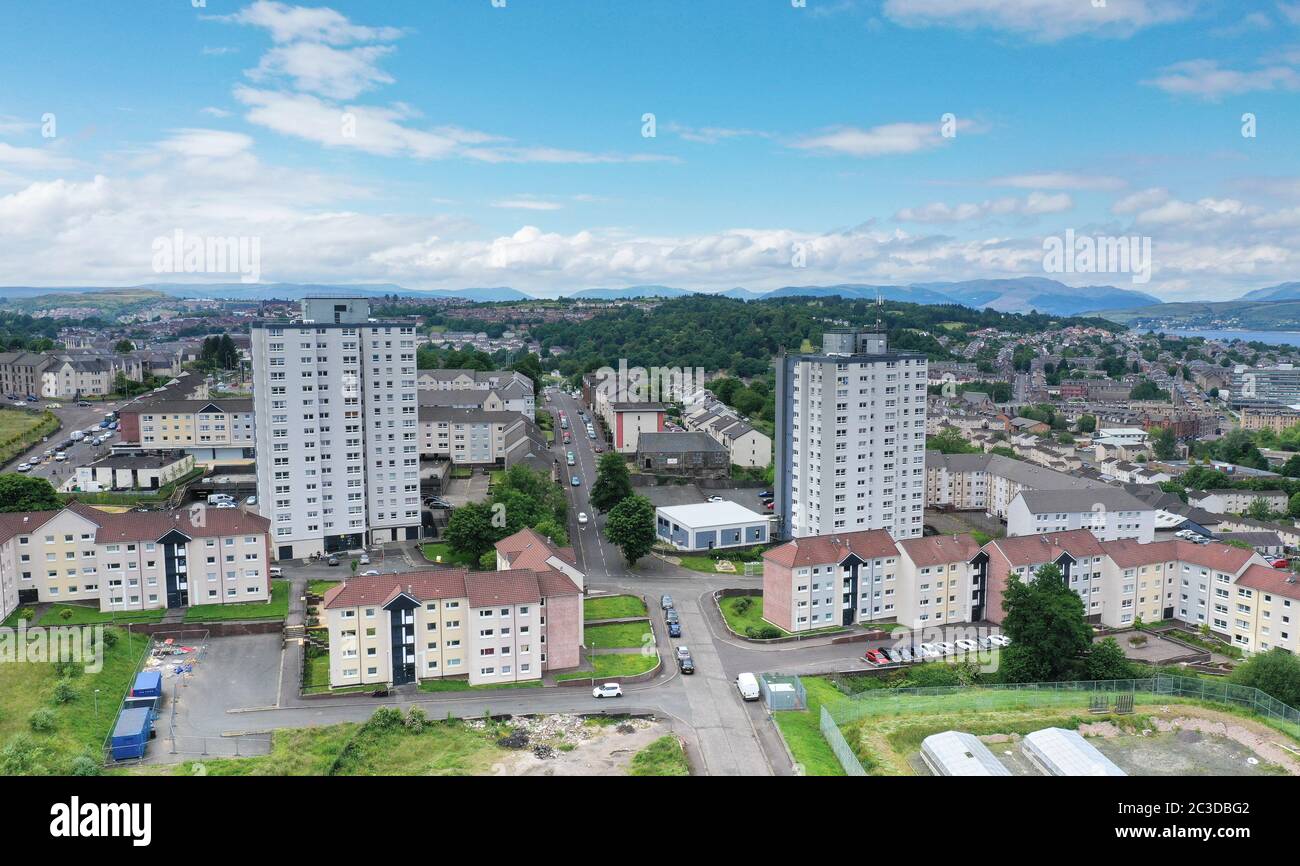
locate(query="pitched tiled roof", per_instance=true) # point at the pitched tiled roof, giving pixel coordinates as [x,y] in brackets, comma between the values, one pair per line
[939,549]
[18,522]
[378,589]
[1029,549]
[822,549]
[1277,581]
[528,549]
[515,586]
[198,523]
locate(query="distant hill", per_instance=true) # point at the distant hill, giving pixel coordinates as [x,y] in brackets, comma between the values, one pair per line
[1226,315]
[1280,292]
[629,293]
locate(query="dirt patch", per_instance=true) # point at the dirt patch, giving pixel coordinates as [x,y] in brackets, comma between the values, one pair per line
[1259,739]
[567,745]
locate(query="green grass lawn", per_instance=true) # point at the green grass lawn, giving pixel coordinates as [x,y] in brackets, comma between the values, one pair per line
[449,557]
[706,565]
[320,587]
[464,686]
[802,730]
[276,608]
[619,635]
[79,729]
[82,614]
[25,428]
[753,617]
[462,472]
[614,666]
[663,757]
[316,673]
[613,607]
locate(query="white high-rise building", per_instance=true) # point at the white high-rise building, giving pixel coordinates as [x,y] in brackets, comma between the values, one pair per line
[337,422]
[850,438]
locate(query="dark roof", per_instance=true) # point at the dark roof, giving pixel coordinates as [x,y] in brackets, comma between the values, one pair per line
[677,443]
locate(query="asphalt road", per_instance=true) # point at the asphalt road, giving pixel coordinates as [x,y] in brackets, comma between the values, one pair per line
[72,417]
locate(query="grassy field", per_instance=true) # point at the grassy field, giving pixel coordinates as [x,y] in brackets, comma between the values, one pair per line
[626,635]
[276,608]
[615,666]
[83,614]
[613,607]
[802,731]
[21,429]
[436,686]
[663,757]
[320,587]
[449,557]
[753,617]
[78,729]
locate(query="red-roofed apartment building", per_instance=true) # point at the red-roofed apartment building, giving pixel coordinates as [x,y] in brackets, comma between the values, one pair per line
[504,626]
[133,560]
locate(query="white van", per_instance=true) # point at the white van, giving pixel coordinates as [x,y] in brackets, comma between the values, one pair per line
[747,685]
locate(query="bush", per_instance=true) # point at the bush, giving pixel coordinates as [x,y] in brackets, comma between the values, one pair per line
[64,692]
[386,719]
[743,605]
[21,756]
[26,613]
[43,720]
[110,638]
[762,632]
[84,765]
[1276,673]
[416,720]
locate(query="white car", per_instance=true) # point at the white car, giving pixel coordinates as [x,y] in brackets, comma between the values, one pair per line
[945,648]
[365,559]
[716,499]
[1000,640]
[967,645]
[928,650]
[582,518]
[608,690]
[370,572]
[24,467]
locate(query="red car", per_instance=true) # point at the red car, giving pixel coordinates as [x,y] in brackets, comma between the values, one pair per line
[567,440]
[876,657]
[1281,563]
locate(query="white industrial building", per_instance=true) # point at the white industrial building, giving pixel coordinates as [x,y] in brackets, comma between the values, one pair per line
[337,428]
[850,438]
[710,525]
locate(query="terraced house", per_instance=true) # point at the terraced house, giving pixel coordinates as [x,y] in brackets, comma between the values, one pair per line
[133,560]
[504,626]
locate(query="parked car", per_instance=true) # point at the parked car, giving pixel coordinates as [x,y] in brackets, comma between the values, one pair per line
[927,651]
[674,628]
[608,690]
[597,448]
[1000,640]
[716,499]
[685,663]
[682,650]
[747,685]
[333,560]
[967,645]
[665,602]
[876,657]
[575,481]
[945,648]
[766,494]
[893,655]
[276,571]
[372,572]
[365,559]
[671,616]
[24,467]
[905,654]
[986,643]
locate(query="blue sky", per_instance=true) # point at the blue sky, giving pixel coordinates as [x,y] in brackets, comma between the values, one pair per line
[504,146]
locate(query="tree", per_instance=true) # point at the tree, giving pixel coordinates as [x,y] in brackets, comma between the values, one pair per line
[1293,505]
[631,527]
[1106,661]
[1275,673]
[1258,509]
[25,493]
[613,483]
[124,347]
[1045,620]
[1087,423]
[1164,444]
[470,530]
[949,441]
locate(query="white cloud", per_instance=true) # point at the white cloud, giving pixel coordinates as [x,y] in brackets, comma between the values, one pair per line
[288,23]
[1141,201]
[527,204]
[1290,11]
[1208,80]
[1046,20]
[1059,180]
[1035,204]
[206,143]
[218,50]
[713,134]
[338,73]
[884,140]
[32,157]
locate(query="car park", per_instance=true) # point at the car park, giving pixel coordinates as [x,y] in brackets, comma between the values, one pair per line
[665,602]
[608,690]
[875,657]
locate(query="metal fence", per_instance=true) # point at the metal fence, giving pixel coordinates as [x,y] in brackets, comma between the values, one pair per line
[882,702]
[793,698]
[840,746]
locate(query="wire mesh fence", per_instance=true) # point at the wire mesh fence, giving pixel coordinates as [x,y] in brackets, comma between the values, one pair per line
[783,692]
[840,746]
[1066,695]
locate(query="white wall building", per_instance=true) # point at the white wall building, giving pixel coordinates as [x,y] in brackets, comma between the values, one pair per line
[850,438]
[337,428]
[1108,513]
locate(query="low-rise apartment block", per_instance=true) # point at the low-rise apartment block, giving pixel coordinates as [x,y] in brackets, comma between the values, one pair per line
[209,430]
[133,560]
[493,390]
[1109,513]
[990,482]
[492,627]
[1235,501]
